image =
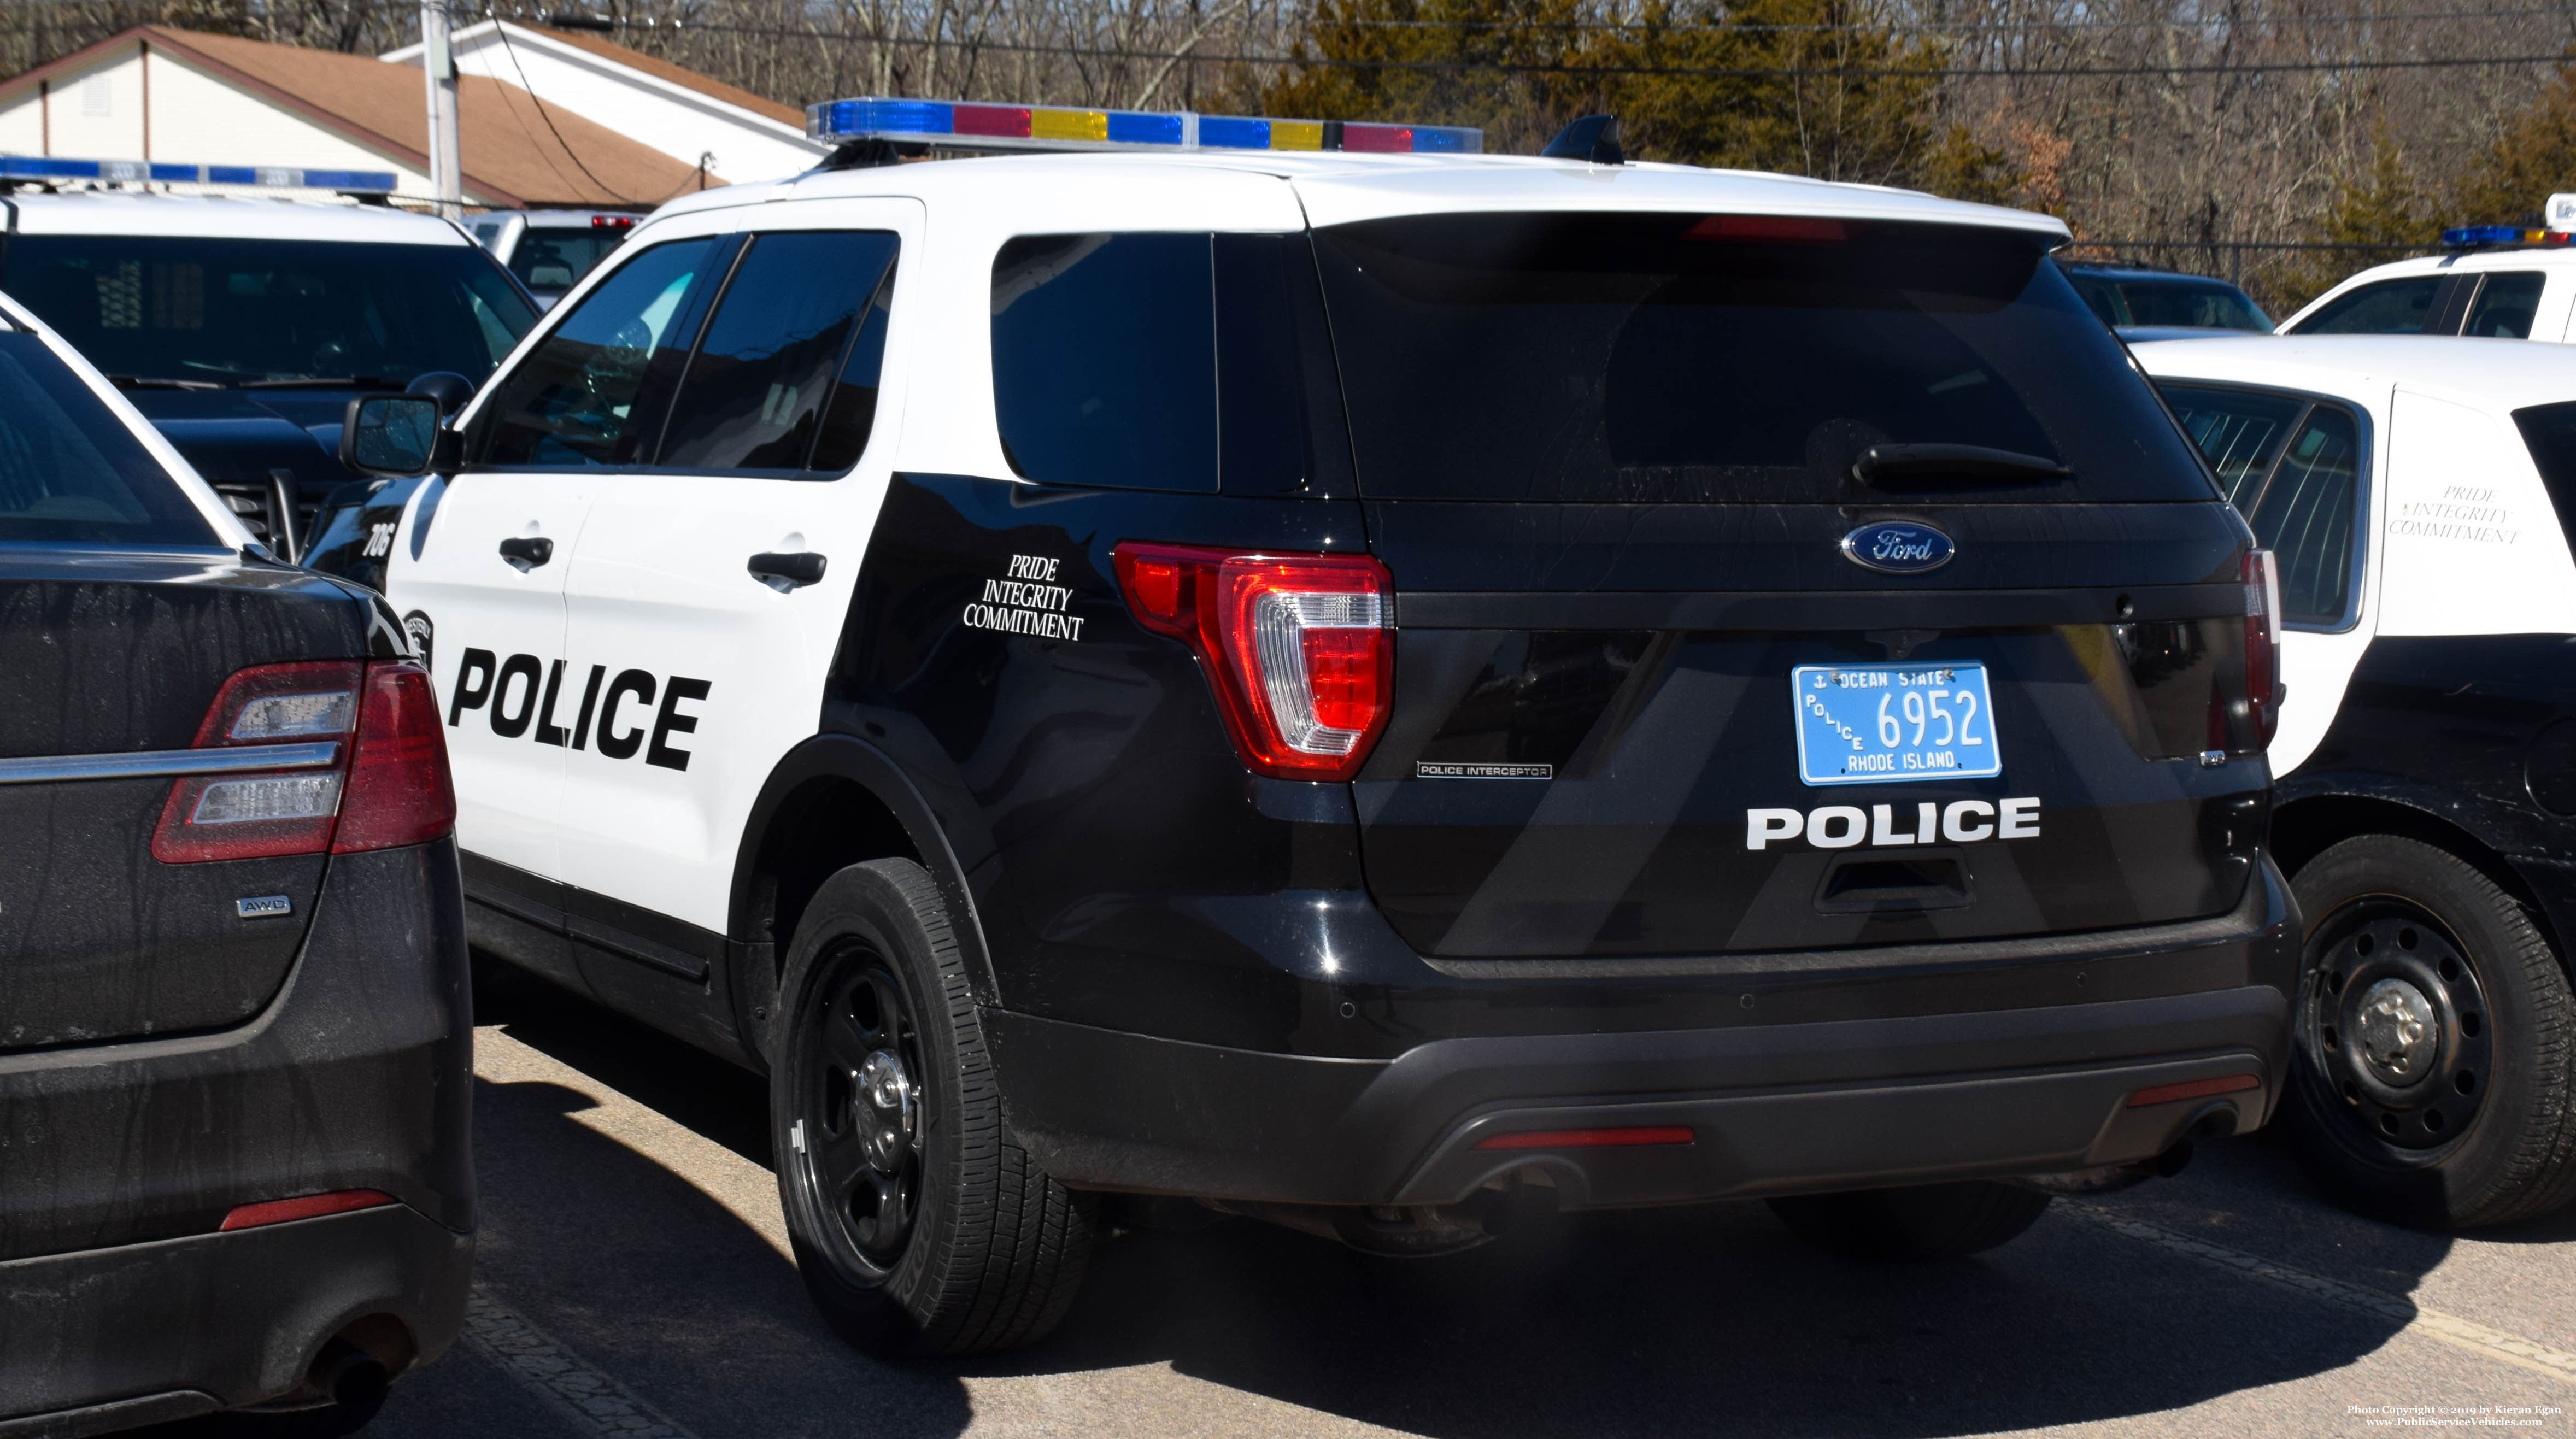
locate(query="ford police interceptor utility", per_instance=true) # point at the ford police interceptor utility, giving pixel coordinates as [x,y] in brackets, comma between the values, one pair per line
[2419,495]
[243,312]
[1362,688]
[2496,282]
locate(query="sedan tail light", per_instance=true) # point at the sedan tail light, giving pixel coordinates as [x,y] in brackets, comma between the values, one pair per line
[358,754]
[2263,644]
[1297,647]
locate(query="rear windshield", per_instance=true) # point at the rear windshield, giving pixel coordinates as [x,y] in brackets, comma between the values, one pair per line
[553,259]
[187,310]
[1688,358]
[70,472]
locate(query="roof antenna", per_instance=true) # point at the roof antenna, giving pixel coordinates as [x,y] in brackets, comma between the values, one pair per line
[1594,138]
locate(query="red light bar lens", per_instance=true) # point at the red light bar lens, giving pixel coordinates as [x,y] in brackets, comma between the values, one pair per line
[2193,1089]
[1002,120]
[1779,229]
[309,1206]
[1625,1137]
[1377,139]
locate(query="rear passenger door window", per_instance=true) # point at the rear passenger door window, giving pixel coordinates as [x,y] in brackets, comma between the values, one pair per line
[2391,307]
[790,357]
[2505,304]
[2292,466]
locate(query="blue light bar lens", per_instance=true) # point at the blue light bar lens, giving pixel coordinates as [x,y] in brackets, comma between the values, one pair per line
[2483,235]
[49,167]
[1233,132]
[850,118]
[1127,127]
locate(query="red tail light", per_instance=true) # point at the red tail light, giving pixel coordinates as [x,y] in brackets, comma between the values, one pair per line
[1296,646]
[2263,644]
[399,788]
[359,750]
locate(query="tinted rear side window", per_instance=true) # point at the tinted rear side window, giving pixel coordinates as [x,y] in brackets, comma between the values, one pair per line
[2550,433]
[1685,358]
[1104,360]
[2239,432]
[70,472]
[2391,307]
[760,380]
[2293,466]
[2505,306]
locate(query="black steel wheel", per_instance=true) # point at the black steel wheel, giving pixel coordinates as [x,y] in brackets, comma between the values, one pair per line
[855,1141]
[919,1228]
[2434,1038]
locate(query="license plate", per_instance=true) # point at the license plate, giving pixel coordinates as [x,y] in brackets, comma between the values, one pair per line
[1876,724]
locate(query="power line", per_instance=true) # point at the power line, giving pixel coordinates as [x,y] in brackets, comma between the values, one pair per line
[1998,27]
[1924,72]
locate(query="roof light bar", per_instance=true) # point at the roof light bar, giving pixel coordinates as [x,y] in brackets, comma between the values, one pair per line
[53,167]
[964,126]
[2471,237]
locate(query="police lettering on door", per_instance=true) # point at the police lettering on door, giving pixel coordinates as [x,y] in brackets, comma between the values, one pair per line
[635,710]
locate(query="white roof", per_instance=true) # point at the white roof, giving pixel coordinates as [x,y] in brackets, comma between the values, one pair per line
[1337,189]
[2488,374]
[231,217]
[2471,261]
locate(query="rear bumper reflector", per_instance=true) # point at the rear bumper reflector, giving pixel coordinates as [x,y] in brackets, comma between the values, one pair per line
[1622,1137]
[308,1206]
[2193,1089]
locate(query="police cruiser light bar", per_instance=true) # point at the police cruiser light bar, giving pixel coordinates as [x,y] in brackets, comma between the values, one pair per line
[958,125]
[53,167]
[2470,237]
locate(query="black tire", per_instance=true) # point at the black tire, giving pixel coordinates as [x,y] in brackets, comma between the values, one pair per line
[1930,1221]
[920,1229]
[2476,1123]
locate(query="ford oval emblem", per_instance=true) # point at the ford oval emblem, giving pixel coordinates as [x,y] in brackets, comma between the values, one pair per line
[1899,547]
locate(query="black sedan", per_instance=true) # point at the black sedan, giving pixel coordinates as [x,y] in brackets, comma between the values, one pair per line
[235,1024]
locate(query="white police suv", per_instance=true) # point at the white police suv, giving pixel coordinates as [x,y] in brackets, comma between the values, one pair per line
[242,308]
[1307,668]
[2417,493]
[2494,282]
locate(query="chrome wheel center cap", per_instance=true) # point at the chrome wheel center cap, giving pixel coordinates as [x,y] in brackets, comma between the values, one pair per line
[2397,1031]
[891,1112]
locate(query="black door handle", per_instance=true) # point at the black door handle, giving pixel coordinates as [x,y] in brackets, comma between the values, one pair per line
[526,554]
[785,572]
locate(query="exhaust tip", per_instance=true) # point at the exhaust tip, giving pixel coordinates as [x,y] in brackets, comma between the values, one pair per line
[352,1377]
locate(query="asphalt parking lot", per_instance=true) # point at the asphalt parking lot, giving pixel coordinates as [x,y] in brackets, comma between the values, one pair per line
[634,1280]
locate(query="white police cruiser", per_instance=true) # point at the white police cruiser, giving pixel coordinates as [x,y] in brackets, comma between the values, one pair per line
[2494,282]
[1307,668]
[241,308]
[2418,494]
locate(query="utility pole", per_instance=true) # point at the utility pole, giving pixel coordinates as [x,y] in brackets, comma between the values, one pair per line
[438,64]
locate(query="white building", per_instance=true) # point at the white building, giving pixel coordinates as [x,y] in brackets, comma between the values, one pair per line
[158,93]
[737,135]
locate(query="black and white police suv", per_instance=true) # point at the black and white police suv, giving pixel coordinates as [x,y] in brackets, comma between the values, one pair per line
[1362,688]
[235,1031]
[243,317]
[2419,494]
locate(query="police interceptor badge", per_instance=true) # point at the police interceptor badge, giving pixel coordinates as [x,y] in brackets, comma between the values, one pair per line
[1441,769]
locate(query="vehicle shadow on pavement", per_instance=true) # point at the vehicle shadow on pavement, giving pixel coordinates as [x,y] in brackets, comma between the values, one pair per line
[1704,1319]
[632,1264]
[1708,1319]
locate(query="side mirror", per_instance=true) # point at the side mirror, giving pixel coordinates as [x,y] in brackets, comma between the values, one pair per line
[395,436]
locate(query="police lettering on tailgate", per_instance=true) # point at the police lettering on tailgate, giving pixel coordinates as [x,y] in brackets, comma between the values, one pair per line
[524,696]
[1844,826]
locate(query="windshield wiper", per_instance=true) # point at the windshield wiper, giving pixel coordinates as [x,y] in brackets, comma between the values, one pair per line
[1975,464]
[326,382]
[156,382]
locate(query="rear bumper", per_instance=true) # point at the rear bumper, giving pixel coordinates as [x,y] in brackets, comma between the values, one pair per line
[1780,1108]
[108,1338]
[124,1159]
